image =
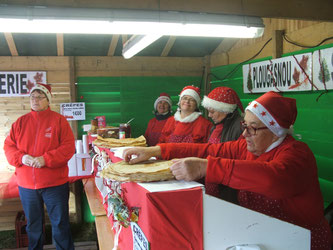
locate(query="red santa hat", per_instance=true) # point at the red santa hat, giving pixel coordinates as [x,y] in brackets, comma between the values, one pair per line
[222,99]
[45,88]
[191,91]
[278,113]
[163,97]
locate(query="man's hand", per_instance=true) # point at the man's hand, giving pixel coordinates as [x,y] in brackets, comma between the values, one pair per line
[189,169]
[38,162]
[27,160]
[139,154]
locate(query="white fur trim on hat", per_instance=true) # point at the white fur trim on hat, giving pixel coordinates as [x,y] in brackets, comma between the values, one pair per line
[191,93]
[44,89]
[218,106]
[162,98]
[262,113]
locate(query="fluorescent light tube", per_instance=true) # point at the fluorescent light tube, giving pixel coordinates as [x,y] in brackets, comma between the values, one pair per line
[121,27]
[40,19]
[137,43]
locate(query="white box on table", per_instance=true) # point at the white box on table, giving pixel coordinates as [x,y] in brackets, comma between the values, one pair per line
[80,165]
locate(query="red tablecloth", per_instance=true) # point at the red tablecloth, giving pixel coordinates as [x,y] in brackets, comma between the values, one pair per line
[8,185]
[169,219]
[110,154]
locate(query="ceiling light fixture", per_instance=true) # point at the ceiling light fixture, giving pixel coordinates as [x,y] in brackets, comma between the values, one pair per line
[137,43]
[40,19]
[147,26]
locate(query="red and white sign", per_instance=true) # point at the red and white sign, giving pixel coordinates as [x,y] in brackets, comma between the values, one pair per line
[323,69]
[19,83]
[292,73]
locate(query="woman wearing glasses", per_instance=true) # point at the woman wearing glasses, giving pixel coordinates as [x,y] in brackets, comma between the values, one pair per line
[223,105]
[275,174]
[39,145]
[187,125]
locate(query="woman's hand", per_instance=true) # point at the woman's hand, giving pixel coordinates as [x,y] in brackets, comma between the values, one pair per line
[189,169]
[139,154]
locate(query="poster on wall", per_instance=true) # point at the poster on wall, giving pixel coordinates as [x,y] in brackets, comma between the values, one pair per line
[19,83]
[74,111]
[323,68]
[292,73]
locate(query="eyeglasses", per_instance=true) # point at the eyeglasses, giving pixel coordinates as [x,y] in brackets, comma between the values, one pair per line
[249,129]
[38,98]
[187,99]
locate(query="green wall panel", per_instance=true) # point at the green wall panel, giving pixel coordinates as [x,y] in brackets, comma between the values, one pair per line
[314,120]
[120,99]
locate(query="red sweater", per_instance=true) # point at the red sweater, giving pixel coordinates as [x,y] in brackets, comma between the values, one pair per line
[282,183]
[154,131]
[46,134]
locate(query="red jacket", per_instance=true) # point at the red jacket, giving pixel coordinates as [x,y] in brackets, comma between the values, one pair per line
[282,183]
[46,134]
[154,131]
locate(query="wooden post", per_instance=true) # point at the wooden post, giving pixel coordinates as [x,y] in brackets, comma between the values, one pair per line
[72,89]
[277,39]
[206,75]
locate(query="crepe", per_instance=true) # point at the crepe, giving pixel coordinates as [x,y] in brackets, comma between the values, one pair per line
[126,142]
[152,170]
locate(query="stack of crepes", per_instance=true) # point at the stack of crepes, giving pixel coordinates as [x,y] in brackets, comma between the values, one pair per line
[114,143]
[148,171]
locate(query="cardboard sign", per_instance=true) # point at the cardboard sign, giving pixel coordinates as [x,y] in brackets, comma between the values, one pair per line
[292,73]
[73,111]
[19,83]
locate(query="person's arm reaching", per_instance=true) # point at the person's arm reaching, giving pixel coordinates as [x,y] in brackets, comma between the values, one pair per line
[189,169]
[141,153]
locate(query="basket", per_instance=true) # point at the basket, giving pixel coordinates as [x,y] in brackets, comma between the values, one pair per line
[21,234]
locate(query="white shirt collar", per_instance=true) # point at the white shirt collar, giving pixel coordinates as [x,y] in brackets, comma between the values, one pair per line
[275,144]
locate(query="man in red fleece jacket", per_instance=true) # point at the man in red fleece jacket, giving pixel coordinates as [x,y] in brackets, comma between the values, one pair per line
[39,145]
[275,174]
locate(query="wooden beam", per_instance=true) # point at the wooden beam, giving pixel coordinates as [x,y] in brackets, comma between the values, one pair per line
[72,89]
[113,45]
[124,39]
[11,44]
[207,85]
[225,45]
[320,10]
[277,39]
[60,44]
[168,46]
[137,66]
[104,232]
[292,9]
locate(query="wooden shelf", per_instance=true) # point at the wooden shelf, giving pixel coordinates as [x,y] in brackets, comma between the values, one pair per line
[104,230]
[94,198]
[104,233]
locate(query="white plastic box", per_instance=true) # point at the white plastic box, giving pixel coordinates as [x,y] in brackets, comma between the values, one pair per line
[79,165]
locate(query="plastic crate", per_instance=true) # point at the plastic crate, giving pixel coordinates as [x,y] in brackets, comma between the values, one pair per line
[21,234]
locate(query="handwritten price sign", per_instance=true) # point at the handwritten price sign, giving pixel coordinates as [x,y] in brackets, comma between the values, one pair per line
[74,111]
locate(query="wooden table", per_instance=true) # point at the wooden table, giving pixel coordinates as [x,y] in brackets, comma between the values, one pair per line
[104,231]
